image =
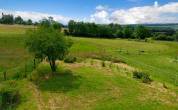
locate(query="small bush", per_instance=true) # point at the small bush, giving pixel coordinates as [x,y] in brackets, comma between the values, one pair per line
[41,71]
[9,95]
[142,76]
[70,59]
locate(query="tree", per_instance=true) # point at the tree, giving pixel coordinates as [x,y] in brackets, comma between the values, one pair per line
[18,20]
[128,32]
[71,26]
[176,36]
[48,43]
[7,19]
[142,32]
[56,25]
[119,34]
[29,22]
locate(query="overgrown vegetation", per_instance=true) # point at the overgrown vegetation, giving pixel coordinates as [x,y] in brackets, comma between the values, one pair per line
[9,96]
[145,77]
[70,59]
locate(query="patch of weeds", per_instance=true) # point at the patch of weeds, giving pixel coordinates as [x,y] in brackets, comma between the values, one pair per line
[117,60]
[70,59]
[43,70]
[144,77]
[9,96]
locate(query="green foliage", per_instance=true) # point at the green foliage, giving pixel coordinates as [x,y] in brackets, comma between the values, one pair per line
[40,72]
[128,32]
[70,59]
[29,22]
[176,36]
[9,96]
[48,42]
[50,23]
[18,20]
[145,77]
[141,32]
[7,19]
[93,30]
[164,37]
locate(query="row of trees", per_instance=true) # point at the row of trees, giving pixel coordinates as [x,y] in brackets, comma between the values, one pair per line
[118,31]
[10,19]
[107,31]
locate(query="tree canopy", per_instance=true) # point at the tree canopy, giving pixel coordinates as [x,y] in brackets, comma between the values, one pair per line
[48,43]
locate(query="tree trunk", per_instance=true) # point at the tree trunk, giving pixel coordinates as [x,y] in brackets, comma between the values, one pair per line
[53,66]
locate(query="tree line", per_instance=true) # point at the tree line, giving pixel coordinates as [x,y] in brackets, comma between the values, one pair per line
[119,31]
[10,19]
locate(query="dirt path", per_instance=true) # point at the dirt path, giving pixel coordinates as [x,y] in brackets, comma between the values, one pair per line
[37,96]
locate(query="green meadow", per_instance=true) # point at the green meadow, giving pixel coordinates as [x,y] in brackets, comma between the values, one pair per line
[88,84]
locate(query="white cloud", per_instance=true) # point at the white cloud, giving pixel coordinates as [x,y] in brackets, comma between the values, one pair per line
[36,16]
[101,15]
[156,13]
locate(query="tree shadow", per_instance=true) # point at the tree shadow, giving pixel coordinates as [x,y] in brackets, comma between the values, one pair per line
[63,82]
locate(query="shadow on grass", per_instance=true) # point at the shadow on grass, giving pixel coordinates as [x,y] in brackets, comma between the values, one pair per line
[64,82]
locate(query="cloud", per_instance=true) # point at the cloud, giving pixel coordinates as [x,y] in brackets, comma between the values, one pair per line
[36,16]
[155,13]
[101,15]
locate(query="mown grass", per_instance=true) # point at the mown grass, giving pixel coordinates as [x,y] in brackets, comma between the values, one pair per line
[89,87]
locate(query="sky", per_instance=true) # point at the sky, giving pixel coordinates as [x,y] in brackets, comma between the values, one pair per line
[98,11]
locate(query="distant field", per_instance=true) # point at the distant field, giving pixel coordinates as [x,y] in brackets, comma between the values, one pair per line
[13,29]
[90,86]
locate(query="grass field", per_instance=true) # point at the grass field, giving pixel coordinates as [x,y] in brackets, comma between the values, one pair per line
[89,85]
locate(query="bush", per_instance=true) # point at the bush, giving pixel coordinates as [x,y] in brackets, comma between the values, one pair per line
[9,95]
[41,71]
[142,76]
[70,59]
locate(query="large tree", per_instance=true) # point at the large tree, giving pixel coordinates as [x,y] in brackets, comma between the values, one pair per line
[46,42]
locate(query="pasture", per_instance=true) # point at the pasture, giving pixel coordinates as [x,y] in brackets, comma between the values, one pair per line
[87,84]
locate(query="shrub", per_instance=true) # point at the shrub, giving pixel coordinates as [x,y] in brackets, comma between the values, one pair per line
[41,71]
[70,59]
[9,95]
[145,77]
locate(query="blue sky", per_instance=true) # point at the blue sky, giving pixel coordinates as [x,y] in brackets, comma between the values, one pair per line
[78,9]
